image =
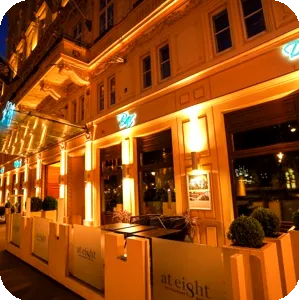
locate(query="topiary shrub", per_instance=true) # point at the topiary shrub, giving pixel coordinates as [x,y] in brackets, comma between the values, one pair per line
[269,221]
[8,204]
[36,204]
[296,219]
[246,232]
[50,203]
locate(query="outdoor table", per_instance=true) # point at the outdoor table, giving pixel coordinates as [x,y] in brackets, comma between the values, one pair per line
[157,233]
[134,229]
[117,226]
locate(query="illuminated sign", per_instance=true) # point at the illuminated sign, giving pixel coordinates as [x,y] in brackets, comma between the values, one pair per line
[291,50]
[17,163]
[2,170]
[7,113]
[126,120]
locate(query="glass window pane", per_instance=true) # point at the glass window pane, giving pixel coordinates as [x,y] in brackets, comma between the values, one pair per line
[102,4]
[255,24]
[223,40]
[146,64]
[221,21]
[270,180]
[164,53]
[110,16]
[250,6]
[266,136]
[165,70]
[103,22]
[147,79]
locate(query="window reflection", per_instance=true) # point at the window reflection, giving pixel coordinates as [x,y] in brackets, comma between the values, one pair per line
[270,181]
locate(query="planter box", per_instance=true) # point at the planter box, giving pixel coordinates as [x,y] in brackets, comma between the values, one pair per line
[261,271]
[36,214]
[50,214]
[294,234]
[286,262]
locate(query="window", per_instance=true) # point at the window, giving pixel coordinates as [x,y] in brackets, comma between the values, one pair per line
[164,62]
[111,177]
[42,27]
[253,16]
[82,108]
[263,144]
[101,102]
[136,3]
[75,111]
[222,31]
[106,16]
[112,90]
[77,31]
[156,174]
[147,72]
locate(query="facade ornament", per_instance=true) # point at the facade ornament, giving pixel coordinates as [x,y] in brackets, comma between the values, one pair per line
[62,146]
[77,76]
[88,135]
[56,92]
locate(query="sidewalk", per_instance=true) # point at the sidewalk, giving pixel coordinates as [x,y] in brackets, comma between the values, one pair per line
[25,282]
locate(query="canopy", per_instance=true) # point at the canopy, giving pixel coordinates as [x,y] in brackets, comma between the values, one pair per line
[25,133]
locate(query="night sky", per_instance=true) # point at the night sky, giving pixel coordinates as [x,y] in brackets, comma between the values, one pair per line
[3,34]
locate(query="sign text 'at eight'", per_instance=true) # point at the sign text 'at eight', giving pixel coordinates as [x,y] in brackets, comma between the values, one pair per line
[126,120]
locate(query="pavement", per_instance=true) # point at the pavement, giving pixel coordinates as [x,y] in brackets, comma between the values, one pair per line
[26,283]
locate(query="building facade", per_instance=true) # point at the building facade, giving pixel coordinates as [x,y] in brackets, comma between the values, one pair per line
[153,106]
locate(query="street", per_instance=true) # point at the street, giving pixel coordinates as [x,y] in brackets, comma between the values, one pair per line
[26,283]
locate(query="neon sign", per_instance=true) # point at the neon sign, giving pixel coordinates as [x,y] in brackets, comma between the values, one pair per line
[17,163]
[291,50]
[126,120]
[2,170]
[8,113]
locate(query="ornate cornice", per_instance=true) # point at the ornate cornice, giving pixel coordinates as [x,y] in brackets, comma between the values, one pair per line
[77,76]
[56,92]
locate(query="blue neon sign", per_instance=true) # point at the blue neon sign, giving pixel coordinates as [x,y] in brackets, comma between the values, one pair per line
[2,170]
[291,50]
[17,163]
[8,113]
[126,120]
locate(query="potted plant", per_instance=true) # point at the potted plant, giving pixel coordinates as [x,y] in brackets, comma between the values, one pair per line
[36,205]
[294,234]
[191,226]
[7,207]
[271,225]
[121,216]
[50,208]
[261,268]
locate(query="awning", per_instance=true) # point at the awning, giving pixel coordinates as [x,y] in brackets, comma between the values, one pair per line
[25,133]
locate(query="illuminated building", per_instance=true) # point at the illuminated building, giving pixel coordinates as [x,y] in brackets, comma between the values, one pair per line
[163,87]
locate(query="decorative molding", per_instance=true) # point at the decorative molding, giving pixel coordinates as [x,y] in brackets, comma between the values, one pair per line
[54,91]
[77,76]
[62,146]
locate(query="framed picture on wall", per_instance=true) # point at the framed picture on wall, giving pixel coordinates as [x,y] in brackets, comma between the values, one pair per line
[199,191]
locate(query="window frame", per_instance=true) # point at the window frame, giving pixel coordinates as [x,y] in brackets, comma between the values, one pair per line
[101,84]
[110,90]
[215,43]
[160,63]
[148,54]
[78,37]
[74,111]
[244,22]
[103,11]
[82,108]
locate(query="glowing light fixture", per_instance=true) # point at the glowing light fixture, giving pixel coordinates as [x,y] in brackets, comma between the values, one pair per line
[293,129]
[8,113]
[280,156]
[126,120]
[291,50]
